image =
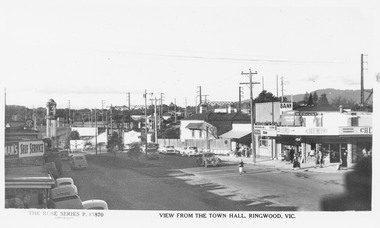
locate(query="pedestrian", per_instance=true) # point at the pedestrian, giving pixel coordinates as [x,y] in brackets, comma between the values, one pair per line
[320,156]
[296,162]
[292,152]
[343,159]
[241,166]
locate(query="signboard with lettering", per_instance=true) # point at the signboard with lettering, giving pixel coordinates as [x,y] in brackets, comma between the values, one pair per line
[30,148]
[306,113]
[11,150]
[265,130]
[355,130]
[286,107]
[306,131]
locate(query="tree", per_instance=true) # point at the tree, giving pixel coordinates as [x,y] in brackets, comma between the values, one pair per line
[115,142]
[315,98]
[74,135]
[310,100]
[266,96]
[306,98]
[323,101]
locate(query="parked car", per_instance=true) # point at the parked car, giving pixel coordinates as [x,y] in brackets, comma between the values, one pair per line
[170,150]
[208,159]
[64,154]
[65,197]
[95,204]
[152,154]
[191,151]
[78,161]
[65,181]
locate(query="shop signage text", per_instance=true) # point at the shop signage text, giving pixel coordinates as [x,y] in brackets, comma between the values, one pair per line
[306,114]
[31,148]
[286,105]
[355,130]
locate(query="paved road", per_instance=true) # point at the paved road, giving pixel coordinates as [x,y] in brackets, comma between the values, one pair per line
[176,183]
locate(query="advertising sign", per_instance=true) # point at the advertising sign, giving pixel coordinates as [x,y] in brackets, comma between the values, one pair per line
[355,130]
[11,150]
[286,107]
[306,131]
[30,148]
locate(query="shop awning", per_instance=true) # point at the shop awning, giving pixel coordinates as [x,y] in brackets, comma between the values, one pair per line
[195,126]
[235,134]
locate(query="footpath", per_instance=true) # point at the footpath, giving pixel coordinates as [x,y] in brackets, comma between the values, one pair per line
[283,165]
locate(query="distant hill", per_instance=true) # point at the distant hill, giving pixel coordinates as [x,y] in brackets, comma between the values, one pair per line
[334,93]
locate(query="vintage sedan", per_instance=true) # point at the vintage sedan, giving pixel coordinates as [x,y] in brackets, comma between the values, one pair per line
[152,154]
[208,159]
[190,151]
[95,204]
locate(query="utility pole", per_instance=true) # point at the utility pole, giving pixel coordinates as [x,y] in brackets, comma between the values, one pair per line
[200,98]
[103,114]
[185,107]
[253,145]
[155,120]
[282,89]
[129,100]
[160,109]
[276,85]
[146,122]
[129,109]
[175,110]
[262,81]
[69,114]
[111,120]
[240,96]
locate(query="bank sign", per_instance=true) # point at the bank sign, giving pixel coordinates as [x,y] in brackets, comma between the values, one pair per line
[24,149]
[355,130]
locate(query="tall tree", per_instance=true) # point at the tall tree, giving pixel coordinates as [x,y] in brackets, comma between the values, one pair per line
[74,135]
[306,98]
[323,101]
[310,100]
[315,98]
[266,96]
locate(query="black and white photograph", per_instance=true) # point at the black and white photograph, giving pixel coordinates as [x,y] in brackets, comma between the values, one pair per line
[192,113]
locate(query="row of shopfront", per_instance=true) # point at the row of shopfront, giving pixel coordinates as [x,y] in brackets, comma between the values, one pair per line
[308,131]
[271,141]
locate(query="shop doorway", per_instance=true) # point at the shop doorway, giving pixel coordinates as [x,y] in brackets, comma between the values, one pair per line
[333,151]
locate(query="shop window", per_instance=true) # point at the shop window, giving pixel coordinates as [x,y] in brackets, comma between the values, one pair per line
[318,122]
[200,134]
[193,133]
[354,121]
[263,141]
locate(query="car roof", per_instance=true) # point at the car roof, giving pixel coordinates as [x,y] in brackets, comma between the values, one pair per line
[63,191]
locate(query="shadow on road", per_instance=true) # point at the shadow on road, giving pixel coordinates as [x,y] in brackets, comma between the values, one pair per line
[203,192]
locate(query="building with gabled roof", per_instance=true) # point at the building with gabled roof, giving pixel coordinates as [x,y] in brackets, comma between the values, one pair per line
[210,125]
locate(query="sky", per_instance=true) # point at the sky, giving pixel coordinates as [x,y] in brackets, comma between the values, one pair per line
[82,53]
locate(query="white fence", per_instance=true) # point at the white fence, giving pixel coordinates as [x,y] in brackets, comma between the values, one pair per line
[218,146]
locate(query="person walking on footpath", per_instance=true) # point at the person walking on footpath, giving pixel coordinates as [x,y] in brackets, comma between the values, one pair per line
[344,160]
[241,166]
[320,156]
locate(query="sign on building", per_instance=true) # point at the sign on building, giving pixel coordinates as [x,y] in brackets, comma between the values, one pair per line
[30,148]
[355,130]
